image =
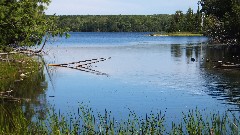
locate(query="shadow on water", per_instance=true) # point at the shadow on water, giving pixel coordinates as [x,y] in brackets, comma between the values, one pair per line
[222,84]
[28,95]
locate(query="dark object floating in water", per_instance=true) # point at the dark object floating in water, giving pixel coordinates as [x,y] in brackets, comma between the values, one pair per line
[51,96]
[192,59]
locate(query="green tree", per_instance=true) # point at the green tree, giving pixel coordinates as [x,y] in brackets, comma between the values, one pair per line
[189,21]
[198,19]
[179,19]
[177,22]
[223,19]
[24,23]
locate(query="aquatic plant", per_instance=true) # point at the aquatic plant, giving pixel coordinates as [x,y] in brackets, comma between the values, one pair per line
[85,122]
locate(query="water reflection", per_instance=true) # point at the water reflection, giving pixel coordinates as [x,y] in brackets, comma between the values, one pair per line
[176,50]
[144,77]
[167,73]
[221,84]
[29,95]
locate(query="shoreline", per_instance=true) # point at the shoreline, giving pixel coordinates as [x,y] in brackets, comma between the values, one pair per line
[180,34]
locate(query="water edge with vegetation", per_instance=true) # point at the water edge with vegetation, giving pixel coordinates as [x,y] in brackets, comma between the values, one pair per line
[142,73]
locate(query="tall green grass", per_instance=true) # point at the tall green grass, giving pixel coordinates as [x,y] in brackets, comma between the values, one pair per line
[83,122]
[14,120]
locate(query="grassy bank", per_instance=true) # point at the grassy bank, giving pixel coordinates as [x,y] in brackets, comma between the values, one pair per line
[84,122]
[14,68]
[178,34]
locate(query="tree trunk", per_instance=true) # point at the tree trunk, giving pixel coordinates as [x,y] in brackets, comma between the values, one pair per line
[38,51]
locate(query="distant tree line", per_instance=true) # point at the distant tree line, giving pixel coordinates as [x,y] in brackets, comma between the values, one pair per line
[179,21]
[217,19]
[24,23]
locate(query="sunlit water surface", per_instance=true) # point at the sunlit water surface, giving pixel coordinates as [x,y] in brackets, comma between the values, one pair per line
[141,73]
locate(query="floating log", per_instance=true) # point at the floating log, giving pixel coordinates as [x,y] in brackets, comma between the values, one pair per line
[229,66]
[83,65]
[57,65]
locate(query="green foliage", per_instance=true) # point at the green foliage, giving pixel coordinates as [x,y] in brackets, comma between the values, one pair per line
[131,23]
[188,22]
[17,90]
[222,20]
[84,122]
[24,23]
[5,48]
[12,65]
[13,121]
[115,23]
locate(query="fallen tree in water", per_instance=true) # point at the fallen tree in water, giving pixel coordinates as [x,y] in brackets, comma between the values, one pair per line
[85,65]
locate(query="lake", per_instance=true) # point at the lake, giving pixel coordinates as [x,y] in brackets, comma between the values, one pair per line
[143,74]
[140,73]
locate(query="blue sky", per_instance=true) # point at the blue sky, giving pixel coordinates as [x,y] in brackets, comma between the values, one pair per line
[116,7]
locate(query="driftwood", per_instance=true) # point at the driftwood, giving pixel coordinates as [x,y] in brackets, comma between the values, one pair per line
[228,66]
[13,99]
[225,65]
[7,97]
[84,66]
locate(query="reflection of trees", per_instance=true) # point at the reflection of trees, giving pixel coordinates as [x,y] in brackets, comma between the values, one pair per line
[197,52]
[226,54]
[176,50]
[32,97]
[222,84]
[191,51]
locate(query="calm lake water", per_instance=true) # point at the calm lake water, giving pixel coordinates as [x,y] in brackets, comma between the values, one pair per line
[143,73]
[140,73]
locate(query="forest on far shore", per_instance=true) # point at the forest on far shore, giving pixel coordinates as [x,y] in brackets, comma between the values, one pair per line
[217,19]
[180,21]
[24,22]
